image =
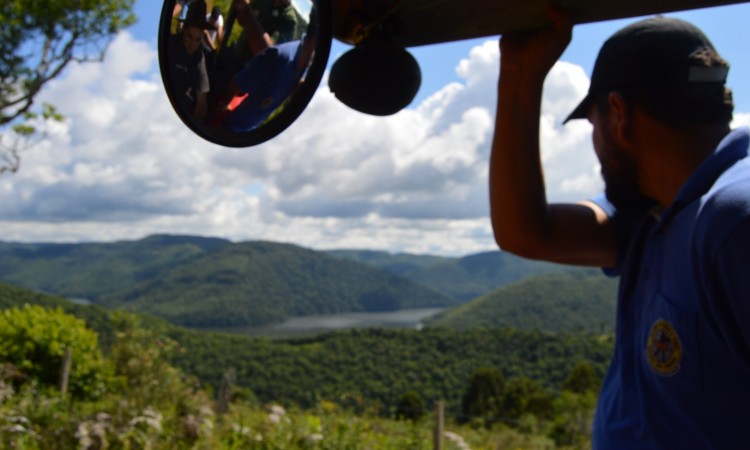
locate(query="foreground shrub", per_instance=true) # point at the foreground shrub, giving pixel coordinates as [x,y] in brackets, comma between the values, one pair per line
[35,340]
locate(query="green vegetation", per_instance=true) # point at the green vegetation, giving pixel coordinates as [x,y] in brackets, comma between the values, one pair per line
[210,282]
[339,390]
[567,301]
[35,341]
[404,264]
[371,368]
[90,271]
[256,283]
[459,278]
[366,368]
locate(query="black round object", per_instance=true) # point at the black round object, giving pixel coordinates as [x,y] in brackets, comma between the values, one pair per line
[376,77]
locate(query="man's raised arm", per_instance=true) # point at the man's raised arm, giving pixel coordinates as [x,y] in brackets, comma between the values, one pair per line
[522,220]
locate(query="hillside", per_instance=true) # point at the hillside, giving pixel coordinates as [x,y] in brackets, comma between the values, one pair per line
[254,283]
[404,264]
[570,301]
[89,271]
[462,279]
[212,282]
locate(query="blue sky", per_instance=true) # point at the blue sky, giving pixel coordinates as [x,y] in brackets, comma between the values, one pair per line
[122,166]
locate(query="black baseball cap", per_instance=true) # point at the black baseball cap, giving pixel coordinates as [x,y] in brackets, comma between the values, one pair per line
[658,51]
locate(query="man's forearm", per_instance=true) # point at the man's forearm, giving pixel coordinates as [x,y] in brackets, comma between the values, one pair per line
[257,38]
[517,194]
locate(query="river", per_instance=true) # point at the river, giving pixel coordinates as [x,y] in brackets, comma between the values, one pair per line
[406,318]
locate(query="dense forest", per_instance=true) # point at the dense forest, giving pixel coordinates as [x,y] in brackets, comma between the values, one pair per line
[210,282]
[359,377]
[259,283]
[374,364]
[561,301]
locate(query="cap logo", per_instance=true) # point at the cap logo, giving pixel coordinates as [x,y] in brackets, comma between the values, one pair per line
[708,74]
[664,350]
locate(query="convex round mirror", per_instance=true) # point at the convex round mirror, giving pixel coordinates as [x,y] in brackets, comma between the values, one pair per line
[239,72]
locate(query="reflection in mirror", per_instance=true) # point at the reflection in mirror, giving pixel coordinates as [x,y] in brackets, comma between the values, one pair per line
[241,71]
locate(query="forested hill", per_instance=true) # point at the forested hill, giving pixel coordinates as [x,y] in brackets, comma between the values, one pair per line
[91,270]
[256,283]
[460,278]
[565,301]
[201,281]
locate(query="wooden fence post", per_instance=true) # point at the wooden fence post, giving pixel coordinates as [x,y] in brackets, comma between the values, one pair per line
[65,371]
[439,423]
[225,391]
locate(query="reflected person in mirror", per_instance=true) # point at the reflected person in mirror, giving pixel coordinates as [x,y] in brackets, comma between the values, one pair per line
[186,62]
[279,19]
[264,84]
[213,37]
[674,223]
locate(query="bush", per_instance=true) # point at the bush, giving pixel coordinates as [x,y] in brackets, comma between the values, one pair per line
[410,406]
[483,398]
[34,340]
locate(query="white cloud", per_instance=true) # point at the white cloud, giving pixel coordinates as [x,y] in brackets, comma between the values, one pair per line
[741,120]
[122,165]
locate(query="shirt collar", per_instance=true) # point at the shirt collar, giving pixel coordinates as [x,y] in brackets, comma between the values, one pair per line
[731,149]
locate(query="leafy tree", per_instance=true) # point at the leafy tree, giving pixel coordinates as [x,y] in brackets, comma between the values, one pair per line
[522,395]
[35,340]
[38,39]
[410,406]
[574,419]
[484,395]
[583,378]
[141,361]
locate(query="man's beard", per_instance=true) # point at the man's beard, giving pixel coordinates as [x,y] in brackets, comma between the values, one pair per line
[621,180]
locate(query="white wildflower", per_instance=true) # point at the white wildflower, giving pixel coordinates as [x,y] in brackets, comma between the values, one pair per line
[456,439]
[21,420]
[6,392]
[240,429]
[150,417]
[276,414]
[83,434]
[15,429]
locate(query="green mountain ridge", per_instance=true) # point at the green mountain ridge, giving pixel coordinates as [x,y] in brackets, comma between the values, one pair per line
[212,282]
[463,278]
[564,301]
[255,283]
[92,270]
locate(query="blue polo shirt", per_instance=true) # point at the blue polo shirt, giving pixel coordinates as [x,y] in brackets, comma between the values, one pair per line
[680,374]
[269,78]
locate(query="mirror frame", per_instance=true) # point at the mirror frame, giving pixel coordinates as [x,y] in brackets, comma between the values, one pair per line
[285,117]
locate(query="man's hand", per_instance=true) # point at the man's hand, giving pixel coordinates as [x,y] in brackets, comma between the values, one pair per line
[532,54]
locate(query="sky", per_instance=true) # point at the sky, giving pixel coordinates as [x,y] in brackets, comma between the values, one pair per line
[122,166]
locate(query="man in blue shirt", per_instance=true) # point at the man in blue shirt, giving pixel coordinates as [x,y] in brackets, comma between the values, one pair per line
[268,80]
[674,225]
